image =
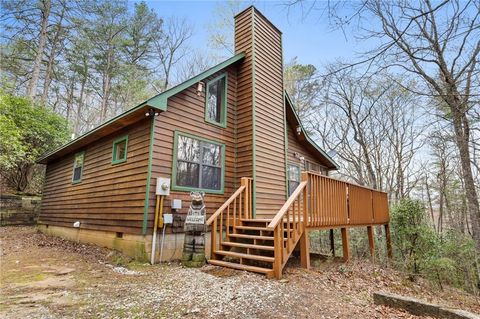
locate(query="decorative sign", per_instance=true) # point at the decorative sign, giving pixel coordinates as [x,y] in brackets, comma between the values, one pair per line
[195,219]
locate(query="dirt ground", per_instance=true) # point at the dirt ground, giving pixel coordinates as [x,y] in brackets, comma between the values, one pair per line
[47,277]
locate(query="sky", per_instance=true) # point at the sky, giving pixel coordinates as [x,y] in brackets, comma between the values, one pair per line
[310,40]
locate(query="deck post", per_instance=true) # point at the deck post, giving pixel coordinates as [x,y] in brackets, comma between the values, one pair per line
[246,205]
[278,251]
[305,250]
[345,244]
[332,242]
[371,241]
[389,241]
[213,240]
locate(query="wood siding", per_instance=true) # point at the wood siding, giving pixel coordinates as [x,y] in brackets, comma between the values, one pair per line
[294,146]
[186,113]
[262,44]
[244,133]
[109,197]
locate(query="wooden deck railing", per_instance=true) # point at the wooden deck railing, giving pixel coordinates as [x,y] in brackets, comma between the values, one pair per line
[288,227]
[237,207]
[335,203]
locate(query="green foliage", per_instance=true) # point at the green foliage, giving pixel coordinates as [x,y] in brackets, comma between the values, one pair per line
[412,236]
[26,131]
[448,258]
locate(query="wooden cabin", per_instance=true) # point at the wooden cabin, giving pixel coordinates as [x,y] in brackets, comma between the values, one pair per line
[231,132]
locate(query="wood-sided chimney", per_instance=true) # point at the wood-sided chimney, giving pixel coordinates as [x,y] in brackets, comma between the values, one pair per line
[261,151]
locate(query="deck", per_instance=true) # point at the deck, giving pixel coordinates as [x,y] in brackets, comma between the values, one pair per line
[240,241]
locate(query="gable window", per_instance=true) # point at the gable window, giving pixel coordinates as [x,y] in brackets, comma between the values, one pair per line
[198,164]
[78,167]
[216,101]
[293,178]
[119,152]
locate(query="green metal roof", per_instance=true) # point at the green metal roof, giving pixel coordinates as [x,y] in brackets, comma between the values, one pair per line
[309,140]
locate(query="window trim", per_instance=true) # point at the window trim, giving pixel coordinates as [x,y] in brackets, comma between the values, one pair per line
[223,116]
[175,187]
[76,181]
[114,150]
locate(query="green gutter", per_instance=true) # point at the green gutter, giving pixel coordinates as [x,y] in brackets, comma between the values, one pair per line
[285,128]
[149,176]
[254,158]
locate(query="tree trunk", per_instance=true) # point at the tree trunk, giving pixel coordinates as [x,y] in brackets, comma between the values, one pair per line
[51,58]
[32,85]
[462,130]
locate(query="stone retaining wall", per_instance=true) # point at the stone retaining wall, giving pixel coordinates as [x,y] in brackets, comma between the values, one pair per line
[421,308]
[18,210]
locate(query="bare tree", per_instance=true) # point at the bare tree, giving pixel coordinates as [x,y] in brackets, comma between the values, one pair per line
[171,48]
[438,44]
[45,8]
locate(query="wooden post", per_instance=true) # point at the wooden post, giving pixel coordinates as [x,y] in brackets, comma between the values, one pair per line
[332,242]
[246,214]
[305,207]
[345,244]
[278,246]
[371,241]
[305,250]
[213,239]
[389,241]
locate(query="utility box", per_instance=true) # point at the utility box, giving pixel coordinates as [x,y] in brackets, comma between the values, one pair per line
[163,186]
[176,203]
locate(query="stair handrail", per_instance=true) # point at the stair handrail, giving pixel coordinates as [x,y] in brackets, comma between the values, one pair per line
[225,205]
[281,213]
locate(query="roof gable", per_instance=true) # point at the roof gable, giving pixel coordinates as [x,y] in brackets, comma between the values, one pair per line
[158,102]
[305,140]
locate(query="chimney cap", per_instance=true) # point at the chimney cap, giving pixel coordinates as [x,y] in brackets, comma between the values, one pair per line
[252,7]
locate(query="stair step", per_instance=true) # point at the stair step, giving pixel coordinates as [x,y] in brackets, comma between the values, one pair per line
[246,256]
[252,228]
[258,228]
[227,264]
[247,236]
[259,220]
[241,245]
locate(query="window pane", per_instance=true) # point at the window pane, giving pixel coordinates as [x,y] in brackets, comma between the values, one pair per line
[187,174]
[211,154]
[293,173]
[215,96]
[188,149]
[78,160]
[211,177]
[292,185]
[121,148]
[77,173]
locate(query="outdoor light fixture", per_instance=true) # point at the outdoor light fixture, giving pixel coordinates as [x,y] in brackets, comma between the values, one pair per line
[200,87]
[299,130]
[151,112]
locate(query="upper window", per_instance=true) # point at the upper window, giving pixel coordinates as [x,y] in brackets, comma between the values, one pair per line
[216,101]
[78,167]
[293,178]
[198,164]
[119,152]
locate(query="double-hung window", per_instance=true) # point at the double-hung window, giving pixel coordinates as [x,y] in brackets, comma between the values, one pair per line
[198,164]
[78,167]
[293,178]
[216,101]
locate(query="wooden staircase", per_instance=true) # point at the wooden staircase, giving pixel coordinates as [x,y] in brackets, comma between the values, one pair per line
[241,242]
